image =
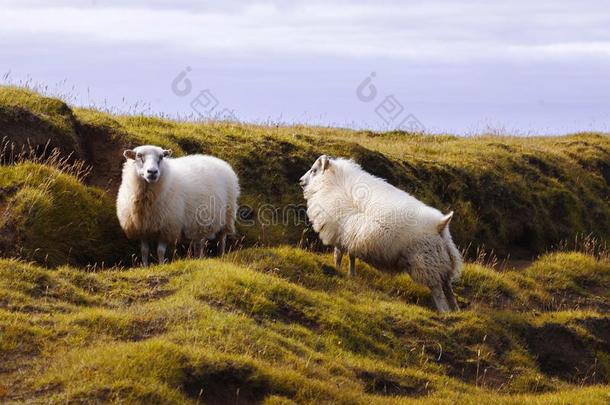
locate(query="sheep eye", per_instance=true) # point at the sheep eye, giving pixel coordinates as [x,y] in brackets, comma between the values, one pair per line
[313,171]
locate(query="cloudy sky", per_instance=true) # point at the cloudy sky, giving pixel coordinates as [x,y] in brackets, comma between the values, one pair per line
[523,67]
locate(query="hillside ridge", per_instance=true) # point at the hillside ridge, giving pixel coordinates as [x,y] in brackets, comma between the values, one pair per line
[516,196]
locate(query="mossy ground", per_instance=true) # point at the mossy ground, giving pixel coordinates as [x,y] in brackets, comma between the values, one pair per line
[281,325]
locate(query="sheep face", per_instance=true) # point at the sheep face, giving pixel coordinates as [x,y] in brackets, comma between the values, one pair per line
[315,173]
[148,161]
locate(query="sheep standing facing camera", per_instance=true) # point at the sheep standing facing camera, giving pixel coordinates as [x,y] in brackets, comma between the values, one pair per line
[388,228]
[163,200]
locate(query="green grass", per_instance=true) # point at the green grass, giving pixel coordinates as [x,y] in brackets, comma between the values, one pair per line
[277,324]
[518,196]
[52,218]
[250,326]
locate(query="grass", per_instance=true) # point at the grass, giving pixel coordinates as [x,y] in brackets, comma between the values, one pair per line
[273,323]
[52,218]
[517,196]
[249,327]
[27,115]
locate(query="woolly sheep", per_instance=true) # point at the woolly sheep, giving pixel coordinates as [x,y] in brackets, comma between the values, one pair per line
[388,228]
[163,200]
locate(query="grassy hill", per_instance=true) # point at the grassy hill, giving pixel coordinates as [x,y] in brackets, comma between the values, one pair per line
[281,325]
[518,196]
[273,321]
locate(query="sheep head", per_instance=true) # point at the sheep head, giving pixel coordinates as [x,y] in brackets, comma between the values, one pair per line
[320,166]
[148,161]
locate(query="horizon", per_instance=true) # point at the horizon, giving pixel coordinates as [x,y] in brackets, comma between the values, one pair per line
[457,68]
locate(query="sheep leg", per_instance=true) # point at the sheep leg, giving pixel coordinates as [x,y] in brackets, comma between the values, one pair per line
[439,299]
[448,290]
[200,249]
[222,243]
[352,265]
[338,258]
[144,250]
[161,246]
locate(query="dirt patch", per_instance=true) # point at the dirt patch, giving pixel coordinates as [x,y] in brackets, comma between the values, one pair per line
[567,300]
[600,328]
[288,314]
[231,384]
[25,129]
[281,313]
[102,149]
[561,353]
[330,271]
[380,384]
[191,146]
[9,237]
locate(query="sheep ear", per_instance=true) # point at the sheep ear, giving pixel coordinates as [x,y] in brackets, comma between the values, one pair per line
[129,154]
[167,152]
[325,162]
[444,223]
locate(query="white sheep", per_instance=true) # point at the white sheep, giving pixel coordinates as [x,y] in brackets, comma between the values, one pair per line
[388,228]
[163,199]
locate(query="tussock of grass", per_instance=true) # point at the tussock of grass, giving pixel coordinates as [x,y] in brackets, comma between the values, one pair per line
[574,273]
[277,325]
[52,218]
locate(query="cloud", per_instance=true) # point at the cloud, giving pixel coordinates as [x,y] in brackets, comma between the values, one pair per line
[436,31]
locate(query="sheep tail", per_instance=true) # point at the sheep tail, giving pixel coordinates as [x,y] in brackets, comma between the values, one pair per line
[444,223]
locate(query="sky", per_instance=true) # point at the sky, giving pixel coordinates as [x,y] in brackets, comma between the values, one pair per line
[462,67]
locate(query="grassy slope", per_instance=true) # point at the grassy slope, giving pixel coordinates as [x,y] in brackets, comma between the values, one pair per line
[508,193]
[272,324]
[50,217]
[514,195]
[277,323]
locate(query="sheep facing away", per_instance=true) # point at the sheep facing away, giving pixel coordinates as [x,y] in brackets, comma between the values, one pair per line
[388,228]
[164,200]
